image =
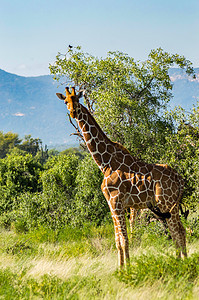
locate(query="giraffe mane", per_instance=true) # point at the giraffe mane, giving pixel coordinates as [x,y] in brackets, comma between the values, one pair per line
[121,147]
[117,145]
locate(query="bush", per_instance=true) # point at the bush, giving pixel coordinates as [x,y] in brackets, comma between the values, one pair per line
[59,186]
[18,174]
[90,204]
[53,211]
[70,194]
[54,207]
[60,175]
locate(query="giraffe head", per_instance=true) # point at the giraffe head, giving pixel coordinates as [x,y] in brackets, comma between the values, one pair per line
[71,100]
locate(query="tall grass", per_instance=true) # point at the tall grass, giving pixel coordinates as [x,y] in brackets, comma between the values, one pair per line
[82,264]
[166,270]
[17,286]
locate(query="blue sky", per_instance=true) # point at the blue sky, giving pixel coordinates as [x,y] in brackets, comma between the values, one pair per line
[33,31]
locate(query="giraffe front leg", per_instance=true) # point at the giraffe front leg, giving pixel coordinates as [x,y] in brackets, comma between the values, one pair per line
[121,237]
[118,244]
[118,216]
[122,229]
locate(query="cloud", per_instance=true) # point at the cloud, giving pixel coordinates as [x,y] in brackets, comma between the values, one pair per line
[18,114]
[176,77]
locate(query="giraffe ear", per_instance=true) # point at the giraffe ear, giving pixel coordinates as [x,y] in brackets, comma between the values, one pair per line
[80,94]
[61,96]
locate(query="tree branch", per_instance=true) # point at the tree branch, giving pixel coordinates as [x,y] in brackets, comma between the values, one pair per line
[140,92]
[78,133]
[146,87]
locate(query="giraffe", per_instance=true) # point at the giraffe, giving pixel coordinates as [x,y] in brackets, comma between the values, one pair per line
[129,182]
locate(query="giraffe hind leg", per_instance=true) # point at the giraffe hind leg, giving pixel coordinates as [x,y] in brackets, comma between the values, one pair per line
[178,234]
[133,215]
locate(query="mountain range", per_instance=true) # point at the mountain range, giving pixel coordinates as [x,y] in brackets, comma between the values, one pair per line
[28,105]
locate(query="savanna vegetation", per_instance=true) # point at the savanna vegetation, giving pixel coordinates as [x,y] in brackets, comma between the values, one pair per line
[57,237]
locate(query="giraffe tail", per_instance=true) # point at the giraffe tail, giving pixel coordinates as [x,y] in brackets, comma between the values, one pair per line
[184,212]
[181,189]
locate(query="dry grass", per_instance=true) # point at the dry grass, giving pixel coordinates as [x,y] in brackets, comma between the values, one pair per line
[81,266]
[51,259]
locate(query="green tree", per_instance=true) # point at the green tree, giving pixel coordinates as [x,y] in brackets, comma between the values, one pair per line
[60,174]
[128,98]
[8,141]
[30,145]
[18,174]
[76,151]
[71,194]
[34,146]
[181,151]
[58,185]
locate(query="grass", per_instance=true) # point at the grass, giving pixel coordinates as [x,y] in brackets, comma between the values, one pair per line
[82,264]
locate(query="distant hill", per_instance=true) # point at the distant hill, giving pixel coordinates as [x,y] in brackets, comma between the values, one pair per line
[185,88]
[28,105]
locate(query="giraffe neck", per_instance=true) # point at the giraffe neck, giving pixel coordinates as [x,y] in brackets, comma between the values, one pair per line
[102,149]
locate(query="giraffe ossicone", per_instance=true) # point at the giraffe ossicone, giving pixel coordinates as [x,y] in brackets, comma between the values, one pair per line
[128,182]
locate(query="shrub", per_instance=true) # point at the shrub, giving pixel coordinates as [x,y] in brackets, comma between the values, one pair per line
[90,204]
[18,174]
[54,206]
[53,211]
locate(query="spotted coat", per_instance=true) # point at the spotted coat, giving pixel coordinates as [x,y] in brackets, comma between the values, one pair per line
[129,182]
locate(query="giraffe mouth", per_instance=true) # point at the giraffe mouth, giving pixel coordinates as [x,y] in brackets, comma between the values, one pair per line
[73,113]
